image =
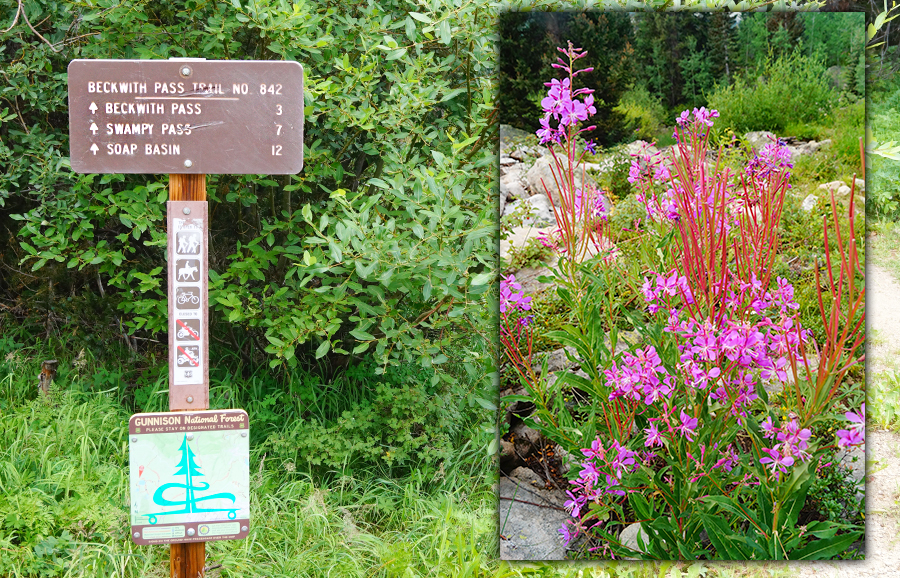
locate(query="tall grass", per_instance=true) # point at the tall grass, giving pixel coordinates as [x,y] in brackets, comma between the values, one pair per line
[64,496]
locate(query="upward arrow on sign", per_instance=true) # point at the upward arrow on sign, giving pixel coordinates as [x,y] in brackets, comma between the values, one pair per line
[93,108]
[94,148]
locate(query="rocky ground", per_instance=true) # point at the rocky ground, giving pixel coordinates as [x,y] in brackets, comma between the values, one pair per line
[532,472]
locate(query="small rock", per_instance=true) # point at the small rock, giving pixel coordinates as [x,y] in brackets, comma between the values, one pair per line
[759,139]
[860,184]
[540,175]
[526,434]
[508,458]
[809,203]
[530,518]
[543,210]
[506,161]
[519,154]
[806,148]
[832,187]
[529,277]
[629,537]
[511,186]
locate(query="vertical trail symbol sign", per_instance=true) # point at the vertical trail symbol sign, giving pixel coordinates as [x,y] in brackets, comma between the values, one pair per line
[188,305]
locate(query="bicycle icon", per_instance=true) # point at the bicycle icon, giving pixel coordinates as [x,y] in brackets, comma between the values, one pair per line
[188,297]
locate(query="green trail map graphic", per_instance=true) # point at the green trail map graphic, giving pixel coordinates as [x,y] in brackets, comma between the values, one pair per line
[189,469]
[177,480]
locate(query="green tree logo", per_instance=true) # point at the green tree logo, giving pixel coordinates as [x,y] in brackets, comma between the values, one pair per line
[188,468]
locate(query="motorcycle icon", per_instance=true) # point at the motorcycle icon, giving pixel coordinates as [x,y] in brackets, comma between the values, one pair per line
[184,333]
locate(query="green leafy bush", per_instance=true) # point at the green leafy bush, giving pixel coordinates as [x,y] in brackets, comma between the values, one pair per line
[782,91]
[531,254]
[393,420]
[644,114]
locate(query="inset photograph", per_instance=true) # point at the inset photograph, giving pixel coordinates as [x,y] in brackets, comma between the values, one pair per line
[682,304]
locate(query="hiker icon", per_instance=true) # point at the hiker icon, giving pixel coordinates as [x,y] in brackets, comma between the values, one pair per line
[188,242]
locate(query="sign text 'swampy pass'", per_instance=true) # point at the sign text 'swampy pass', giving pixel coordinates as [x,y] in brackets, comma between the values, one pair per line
[188,116]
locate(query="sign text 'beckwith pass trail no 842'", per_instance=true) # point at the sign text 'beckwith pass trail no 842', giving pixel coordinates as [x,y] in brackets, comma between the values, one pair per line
[186,116]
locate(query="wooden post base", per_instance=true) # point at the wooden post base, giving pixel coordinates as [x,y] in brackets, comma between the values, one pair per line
[187,560]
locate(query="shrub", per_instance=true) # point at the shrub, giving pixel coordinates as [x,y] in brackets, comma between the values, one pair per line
[644,114]
[780,92]
[393,419]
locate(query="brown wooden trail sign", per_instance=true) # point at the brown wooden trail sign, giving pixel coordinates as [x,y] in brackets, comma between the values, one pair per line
[187,117]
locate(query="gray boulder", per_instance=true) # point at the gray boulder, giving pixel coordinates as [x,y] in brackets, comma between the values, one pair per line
[759,139]
[541,175]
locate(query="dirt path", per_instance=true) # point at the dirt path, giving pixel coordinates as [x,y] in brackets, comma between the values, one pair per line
[882,448]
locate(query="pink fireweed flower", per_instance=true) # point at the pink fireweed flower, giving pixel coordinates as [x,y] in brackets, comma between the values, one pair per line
[567,534]
[511,296]
[624,458]
[850,438]
[547,133]
[687,427]
[595,451]
[574,504]
[654,438]
[634,173]
[589,473]
[560,92]
[793,436]
[774,369]
[703,116]
[662,173]
[779,463]
[656,389]
[856,434]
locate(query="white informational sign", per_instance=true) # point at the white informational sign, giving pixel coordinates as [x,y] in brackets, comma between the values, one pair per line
[189,476]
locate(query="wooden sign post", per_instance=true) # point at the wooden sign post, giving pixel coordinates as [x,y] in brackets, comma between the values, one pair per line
[187,560]
[187,117]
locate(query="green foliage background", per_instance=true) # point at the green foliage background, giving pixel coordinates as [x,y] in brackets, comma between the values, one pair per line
[381,247]
[657,64]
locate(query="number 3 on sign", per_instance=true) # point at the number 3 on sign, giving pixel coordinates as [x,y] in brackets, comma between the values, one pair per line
[278,109]
[276,150]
